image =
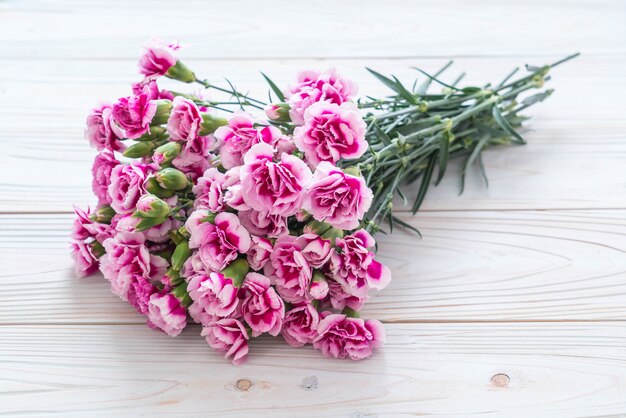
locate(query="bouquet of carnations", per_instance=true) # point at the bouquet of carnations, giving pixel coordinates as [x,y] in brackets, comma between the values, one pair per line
[254,218]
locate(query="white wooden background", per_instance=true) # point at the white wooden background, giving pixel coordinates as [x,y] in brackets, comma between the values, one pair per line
[513,304]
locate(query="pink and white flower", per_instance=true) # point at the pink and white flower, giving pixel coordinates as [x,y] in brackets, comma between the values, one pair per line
[166,313]
[354,267]
[236,138]
[213,296]
[103,165]
[132,116]
[264,223]
[274,187]
[139,294]
[261,307]
[209,191]
[331,133]
[289,270]
[195,157]
[185,120]
[313,87]
[229,336]
[344,337]
[259,252]
[300,325]
[158,57]
[85,262]
[127,257]
[99,130]
[218,242]
[127,185]
[337,198]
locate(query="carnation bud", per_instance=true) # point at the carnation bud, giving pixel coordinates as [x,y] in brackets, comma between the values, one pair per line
[155,133]
[236,271]
[210,123]
[352,171]
[319,286]
[180,72]
[174,277]
[140,149]
[350,313]
[164,108]
[171,179]
[210,218]
[103,215]
[182,295]
[181,254]
[150,206]
[153,187]
[97,249]
[147,223]
[324,230]
[278,112]
[166,153]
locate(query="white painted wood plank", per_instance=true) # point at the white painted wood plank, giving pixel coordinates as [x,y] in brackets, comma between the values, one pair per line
[470,266]
[574,159]
[75,29]
[554,370]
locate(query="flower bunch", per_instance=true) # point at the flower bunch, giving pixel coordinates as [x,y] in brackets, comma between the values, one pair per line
[261,222]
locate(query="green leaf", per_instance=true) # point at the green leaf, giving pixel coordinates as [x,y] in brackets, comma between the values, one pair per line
[274,88]
[423,88]
[470,159]
[444,153]
[406,225]
[428,174]
[535,98]
[435,79]
[386,81]
[403,92]
[504,124]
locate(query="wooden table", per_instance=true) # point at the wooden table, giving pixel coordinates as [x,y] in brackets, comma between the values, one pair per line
[513,304]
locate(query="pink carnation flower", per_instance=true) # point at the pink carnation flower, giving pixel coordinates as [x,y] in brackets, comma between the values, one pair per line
[262,308]
[127,185]
[313,87]
[132,116]
[331,133]
[209,191]
[337,198]
[219,242]
[158,57]
[339,299]
[259,252]
[83,228]
[274,187]
[85,262]
[103,165]
[300,325]
[229,336]
[354,267]
[264,223]
[139,294]
[213,296]
[233,196]
[185,120]
[236,138]
[166,313]
[99,131]
[127,257]
[343,337]
[195,157]
[290,270]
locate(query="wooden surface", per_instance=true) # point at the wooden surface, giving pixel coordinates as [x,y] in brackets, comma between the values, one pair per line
[513,304]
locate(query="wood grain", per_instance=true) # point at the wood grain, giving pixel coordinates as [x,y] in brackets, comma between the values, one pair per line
[74,29]
[553,370]
[576,131]
[470,266]
[511,306]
